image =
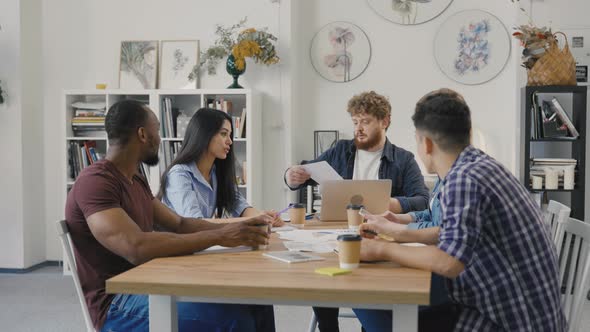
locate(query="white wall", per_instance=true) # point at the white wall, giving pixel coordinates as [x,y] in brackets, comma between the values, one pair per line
[10,138]
[21,197]
[403,68]
[81,48]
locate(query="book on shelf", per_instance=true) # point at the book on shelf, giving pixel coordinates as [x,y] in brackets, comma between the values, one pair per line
[564,118]
[95,105]
[236,125]
[549,120]
[89,113]
[242,130]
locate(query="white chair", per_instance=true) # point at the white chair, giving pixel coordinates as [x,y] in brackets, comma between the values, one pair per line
[313,323]
[66,241]
[555,213]
[574,268]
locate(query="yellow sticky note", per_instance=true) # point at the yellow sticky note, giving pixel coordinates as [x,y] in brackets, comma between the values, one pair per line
[332,271]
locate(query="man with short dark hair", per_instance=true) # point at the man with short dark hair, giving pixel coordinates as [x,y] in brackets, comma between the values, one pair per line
[111,213]
[492,246]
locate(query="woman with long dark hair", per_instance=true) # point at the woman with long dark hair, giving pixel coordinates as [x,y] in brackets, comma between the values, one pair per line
[200,181]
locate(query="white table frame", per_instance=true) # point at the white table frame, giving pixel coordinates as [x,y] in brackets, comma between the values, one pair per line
[163,313]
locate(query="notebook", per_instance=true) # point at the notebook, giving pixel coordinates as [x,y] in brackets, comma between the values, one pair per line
[292,256]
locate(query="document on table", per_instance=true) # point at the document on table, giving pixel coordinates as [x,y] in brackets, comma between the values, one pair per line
[319,241]
[221,250]
[321,172]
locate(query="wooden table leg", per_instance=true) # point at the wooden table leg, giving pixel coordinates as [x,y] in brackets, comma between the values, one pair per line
[163,315]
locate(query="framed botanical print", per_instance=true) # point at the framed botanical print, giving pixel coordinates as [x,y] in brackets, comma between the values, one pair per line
[138,64]
[178,57]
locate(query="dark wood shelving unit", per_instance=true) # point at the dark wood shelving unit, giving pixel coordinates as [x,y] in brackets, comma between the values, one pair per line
[578,145]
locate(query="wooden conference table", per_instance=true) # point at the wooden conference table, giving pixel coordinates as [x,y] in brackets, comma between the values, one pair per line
[250,278]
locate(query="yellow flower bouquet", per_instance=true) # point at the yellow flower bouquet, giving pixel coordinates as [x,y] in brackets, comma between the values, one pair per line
[249,43]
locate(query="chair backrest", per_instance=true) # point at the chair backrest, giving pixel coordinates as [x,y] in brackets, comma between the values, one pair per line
[66,241]
[554,213]
[573,247]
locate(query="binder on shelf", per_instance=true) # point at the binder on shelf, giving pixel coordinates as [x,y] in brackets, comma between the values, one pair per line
[564,117]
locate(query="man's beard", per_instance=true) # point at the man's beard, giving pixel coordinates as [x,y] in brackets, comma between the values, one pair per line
[152,159]
[369,144]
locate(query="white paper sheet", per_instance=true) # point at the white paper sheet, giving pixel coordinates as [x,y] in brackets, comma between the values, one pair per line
[222,249]
[285,228]
[321,172]
[313,240]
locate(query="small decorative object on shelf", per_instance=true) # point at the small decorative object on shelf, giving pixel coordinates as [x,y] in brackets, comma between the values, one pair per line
[545,62]
[249,43]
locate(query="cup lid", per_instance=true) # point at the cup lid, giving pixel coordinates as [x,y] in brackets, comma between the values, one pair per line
[297,206]
[349,237]
[354,206]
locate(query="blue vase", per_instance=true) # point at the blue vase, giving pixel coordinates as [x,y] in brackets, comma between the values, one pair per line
[234,71]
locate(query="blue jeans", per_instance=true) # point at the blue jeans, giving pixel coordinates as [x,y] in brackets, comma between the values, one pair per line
[439,318]
[130,313]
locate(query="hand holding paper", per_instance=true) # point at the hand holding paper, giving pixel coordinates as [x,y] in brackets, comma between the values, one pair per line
[321,172]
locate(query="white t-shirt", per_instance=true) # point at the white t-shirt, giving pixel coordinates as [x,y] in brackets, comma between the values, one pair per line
[366,165]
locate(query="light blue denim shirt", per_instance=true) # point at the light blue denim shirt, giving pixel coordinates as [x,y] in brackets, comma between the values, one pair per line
[190,195]
[430,217]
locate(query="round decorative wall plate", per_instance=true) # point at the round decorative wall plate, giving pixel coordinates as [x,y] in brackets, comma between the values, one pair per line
[409,12]
[472,47]
[340,51]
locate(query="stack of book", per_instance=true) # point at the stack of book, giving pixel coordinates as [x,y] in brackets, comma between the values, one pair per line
[88,119]
[550,120]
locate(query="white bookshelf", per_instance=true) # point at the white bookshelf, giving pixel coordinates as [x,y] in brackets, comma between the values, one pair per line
[246,149]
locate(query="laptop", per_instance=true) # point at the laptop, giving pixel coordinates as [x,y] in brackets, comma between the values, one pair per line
[337,194]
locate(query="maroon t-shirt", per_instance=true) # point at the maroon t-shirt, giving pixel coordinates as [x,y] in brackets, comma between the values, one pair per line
[99,187]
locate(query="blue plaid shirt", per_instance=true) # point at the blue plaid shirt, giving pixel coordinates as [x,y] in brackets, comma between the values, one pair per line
[490,224]
[190,195]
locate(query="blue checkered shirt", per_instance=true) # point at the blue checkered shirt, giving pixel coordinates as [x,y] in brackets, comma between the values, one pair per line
[490,224]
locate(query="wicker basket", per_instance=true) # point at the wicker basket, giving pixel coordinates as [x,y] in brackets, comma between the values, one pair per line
[556,67]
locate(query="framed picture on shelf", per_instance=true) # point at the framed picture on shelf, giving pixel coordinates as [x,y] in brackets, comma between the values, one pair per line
[178,57]
[324,140]
[138,67]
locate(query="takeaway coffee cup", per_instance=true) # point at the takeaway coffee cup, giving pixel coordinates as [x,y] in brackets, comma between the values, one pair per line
[297,213]
[354,217]
[349,251]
